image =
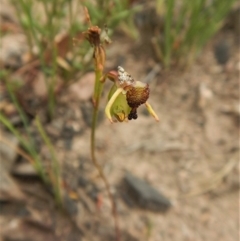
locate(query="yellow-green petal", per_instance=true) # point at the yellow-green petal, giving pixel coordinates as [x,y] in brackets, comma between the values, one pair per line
[120,108]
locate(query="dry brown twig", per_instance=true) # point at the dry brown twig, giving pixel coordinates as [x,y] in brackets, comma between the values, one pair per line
[18,150]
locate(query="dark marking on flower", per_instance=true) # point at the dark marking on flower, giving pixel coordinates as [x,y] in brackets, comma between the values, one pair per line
[133,114]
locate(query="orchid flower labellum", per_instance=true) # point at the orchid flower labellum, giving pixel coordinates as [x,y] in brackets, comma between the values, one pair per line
[125,96]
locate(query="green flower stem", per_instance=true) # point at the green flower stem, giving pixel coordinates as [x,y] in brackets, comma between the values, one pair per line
[96,99]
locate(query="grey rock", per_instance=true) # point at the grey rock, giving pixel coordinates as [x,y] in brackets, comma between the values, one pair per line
[9,190]
[24,169]
[70,205]
[222,52]
[145,195]
[87,109]
[14,46]
[74,236]
[8,154]
[26,229]
[55,128]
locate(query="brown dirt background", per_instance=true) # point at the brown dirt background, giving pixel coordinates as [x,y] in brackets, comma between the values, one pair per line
[185,156]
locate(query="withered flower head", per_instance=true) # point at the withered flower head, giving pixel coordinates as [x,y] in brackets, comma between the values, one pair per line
[93,35]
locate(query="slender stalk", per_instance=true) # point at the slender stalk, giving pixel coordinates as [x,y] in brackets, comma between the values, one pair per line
[29,146]
[97,94]
[55,165]
[37,162]
[26,30]
[18,150]
[70,18]
[167,32]
[52,83]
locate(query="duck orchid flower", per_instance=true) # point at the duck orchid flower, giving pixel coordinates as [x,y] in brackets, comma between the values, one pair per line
[125,96]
